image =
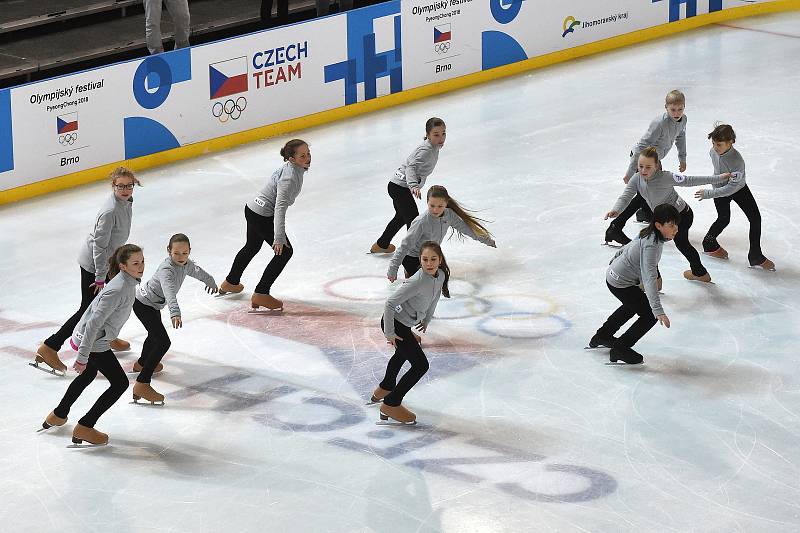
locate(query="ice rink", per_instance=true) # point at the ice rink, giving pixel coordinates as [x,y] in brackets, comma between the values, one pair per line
[520,428]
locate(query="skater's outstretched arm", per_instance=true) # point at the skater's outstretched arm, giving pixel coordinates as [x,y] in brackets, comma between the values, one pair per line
[735,184]
[194,270]
[681,180]
[631,188]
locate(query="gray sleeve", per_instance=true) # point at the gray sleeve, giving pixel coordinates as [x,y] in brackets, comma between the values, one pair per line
[417,158]
[170,290]
[100,243]
[281,205]
[432,307]
[649,273]
[680,144]
[626,196]
[196,272]
[394,305]
[682,180]
[735,183]
[650,138]
[410,241]
[106,303]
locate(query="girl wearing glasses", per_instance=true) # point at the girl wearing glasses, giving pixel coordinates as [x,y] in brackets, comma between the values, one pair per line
[111,229]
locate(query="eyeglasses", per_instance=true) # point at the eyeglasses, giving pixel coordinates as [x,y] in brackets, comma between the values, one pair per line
[128,187]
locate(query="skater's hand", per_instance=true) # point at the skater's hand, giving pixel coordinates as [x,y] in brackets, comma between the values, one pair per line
[626,179]
[211,290]
[611,214]
[79,367]
[699,194]
[176,322]
[394,340]
[391,278]
[681,168]
[98,286]
[278,248]
[664,319]
[421,327]
[417,192]
[726,175]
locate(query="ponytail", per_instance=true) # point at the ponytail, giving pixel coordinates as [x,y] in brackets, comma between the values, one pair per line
[474,223]
[120,256]
[290,148]
[433,245]
[651,153]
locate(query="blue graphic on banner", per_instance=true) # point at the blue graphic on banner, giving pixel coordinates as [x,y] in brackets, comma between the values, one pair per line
[144,136]
[504,11]
[156,74]
[6,139]
[691,8]
[364,64]
[498,49]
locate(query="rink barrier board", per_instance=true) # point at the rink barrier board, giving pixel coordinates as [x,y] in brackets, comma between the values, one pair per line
[382,102]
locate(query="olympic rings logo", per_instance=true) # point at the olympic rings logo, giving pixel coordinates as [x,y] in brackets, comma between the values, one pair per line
[67,138]
[230,109]
[442,48]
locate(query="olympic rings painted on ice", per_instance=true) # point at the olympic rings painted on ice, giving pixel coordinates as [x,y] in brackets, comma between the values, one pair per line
[67,138]
[460,306]
[521,325]
[230,109]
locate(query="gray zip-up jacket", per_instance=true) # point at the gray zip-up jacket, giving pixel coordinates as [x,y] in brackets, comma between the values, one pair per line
[428,227]
[635,263]
[281,190]
[731,161]
[105,316]
[162,289]
[418,166]
[111,230]
[414,302]
[660,189]
[662,133]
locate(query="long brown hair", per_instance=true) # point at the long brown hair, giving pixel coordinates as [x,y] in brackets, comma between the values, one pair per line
[120,256]
[433,245]
[474,223]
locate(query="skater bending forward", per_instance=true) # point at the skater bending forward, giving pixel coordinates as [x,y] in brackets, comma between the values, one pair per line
[634,264]
[411,306]
[266,222]
[98,326]
[161,291]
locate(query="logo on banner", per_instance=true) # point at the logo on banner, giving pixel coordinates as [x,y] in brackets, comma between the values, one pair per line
[227,79]
[569,25]
[442,36]
[67,128]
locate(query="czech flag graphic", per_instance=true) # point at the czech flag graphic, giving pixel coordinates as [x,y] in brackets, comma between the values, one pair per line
[67,123]
[228,77]
[441,33]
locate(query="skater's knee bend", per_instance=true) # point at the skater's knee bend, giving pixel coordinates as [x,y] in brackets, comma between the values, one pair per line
[119,384]
[422,365]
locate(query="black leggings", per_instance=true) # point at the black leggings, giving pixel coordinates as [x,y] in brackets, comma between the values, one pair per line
[685,247]
[260,230]
[634,302]
[56,340]
[411,264]
[157,342]
[409,350]
[744,199]
[105,362]
[405,211]
[636,204]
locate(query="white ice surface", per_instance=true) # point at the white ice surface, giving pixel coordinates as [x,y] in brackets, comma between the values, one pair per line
[264,427]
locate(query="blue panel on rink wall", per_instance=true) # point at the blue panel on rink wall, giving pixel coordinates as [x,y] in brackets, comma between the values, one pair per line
[6,139]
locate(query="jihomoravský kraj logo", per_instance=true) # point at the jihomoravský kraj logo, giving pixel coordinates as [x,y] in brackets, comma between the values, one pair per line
[569,25]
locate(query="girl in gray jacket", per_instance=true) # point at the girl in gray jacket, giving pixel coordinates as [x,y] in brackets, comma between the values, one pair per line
[633,265]
[443,213]
[407,183]
[411,306]
[112,227]
[266,222]
[161,291]
[92,338]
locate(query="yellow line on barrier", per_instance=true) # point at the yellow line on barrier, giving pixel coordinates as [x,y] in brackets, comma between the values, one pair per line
[235,139]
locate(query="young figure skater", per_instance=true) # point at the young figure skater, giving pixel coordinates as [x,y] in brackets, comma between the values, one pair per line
[98,326]
[408,181]
[635,263]
[657,187]
[411,306]
[266,222]
[726,158]
[443,212]
[111,229]
[162,290]
[665,130]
